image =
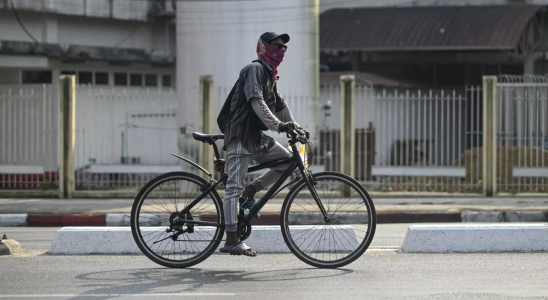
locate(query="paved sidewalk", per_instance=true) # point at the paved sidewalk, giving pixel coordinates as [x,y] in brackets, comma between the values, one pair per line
[62,212]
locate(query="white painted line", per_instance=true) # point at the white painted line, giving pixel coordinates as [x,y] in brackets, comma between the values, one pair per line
[119,240]
[118,219]
[116,295]
[9,220]
[474,238]
[124,219]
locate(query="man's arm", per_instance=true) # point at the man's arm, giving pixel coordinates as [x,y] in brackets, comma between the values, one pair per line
[283,112]
[265,115]
[252,89]
[285,115]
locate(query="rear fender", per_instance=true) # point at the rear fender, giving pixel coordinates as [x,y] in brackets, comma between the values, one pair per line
[193,163]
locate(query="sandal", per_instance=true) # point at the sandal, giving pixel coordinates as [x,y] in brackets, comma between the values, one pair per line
[238,249]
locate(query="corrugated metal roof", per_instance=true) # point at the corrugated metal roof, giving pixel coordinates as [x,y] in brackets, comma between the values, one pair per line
[424,28]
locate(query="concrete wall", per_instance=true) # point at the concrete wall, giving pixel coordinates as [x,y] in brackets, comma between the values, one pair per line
[152,37]
[126,10]
[101,134]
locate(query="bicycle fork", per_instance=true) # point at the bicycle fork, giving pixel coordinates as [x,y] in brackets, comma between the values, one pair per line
[315,195]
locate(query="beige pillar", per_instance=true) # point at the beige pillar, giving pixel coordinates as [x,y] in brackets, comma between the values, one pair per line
[347,139]
[67,105]
[206,121]
[489,135]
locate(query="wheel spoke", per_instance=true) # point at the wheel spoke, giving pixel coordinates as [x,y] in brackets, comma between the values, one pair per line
[165,196]
[326,244]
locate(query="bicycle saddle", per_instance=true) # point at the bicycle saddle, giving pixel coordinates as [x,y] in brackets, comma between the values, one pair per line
[207,138]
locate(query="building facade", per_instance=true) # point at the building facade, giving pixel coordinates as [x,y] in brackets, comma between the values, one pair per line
[436,43]
[102,42]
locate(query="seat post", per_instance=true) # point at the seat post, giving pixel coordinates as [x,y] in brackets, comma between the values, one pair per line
[215,149]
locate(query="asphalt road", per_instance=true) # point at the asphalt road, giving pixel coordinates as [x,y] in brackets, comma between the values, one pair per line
[381,273]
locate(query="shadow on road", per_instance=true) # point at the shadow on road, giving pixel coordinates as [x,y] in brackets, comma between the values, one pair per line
[145,281]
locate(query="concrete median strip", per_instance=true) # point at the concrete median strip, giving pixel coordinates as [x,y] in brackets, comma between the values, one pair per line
[119,240]
[460,238]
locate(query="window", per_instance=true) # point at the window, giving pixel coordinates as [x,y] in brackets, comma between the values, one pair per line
[9,76]
[151,80]
[68,72]
[85,78]
[101,78]
[35,77]
[136,79]
[166,80]
[120,79]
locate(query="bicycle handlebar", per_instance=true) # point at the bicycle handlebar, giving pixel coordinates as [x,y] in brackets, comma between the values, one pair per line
[298,135]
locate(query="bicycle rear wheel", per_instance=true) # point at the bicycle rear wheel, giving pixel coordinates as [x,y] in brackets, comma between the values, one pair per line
[342,239]
[160,231]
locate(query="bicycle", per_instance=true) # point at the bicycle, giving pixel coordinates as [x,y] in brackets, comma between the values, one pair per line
[326,233]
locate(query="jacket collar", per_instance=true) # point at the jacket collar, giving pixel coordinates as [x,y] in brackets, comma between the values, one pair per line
[264,63]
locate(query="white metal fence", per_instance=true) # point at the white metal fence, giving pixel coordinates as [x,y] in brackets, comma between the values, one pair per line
[522,127]
[409,140]
[406,140]
[329,125]
[124,136]
[29,137]
[428,141]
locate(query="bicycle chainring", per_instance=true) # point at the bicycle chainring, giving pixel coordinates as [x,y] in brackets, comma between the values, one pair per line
[244,228]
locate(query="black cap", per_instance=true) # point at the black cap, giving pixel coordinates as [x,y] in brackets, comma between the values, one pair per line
[270,36]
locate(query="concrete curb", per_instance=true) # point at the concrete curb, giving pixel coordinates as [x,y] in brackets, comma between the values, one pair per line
[473,238]
[119,240]
[10,220]
[383,217]
[505,216]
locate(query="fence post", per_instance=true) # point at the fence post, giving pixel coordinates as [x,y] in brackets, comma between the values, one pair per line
[206,121]
[489,135]
[347,136]
[67,105]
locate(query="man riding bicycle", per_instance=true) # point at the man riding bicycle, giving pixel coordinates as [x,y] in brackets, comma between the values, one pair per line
[255,107]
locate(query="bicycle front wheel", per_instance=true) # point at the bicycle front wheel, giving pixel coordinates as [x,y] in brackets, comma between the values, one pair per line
[338,241]
[168,237]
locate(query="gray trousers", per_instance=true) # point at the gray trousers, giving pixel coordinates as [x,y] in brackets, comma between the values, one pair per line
[238,159]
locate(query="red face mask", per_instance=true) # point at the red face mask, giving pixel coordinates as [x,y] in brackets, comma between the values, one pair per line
[271,55]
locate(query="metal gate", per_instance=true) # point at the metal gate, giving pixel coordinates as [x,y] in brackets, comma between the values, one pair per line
[29,121]
[522,134]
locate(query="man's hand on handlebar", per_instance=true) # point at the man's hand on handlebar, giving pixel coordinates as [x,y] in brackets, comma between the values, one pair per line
[295,131]
[287,127]
[306,133]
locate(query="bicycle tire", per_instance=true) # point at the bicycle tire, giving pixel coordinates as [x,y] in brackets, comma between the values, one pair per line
[136,229]
[308,259]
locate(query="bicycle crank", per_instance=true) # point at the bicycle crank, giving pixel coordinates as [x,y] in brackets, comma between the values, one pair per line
[244,228]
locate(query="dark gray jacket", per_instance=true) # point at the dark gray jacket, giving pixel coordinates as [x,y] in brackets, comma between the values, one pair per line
[255,81]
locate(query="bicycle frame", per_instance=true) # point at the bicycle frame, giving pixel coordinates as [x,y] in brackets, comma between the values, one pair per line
[295,162]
